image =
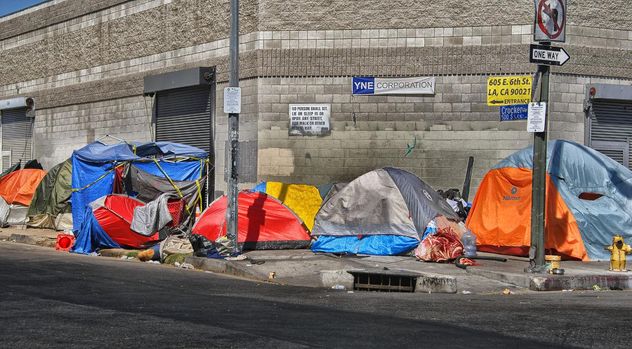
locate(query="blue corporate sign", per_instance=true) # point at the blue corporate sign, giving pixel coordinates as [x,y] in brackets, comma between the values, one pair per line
[369,85]
[514,112]
[363,85]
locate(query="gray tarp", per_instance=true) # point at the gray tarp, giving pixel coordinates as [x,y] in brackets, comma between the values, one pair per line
[150,187]
[423,202]
[385,201]
[5,209]
[152,217]
[333,189]
[371,204]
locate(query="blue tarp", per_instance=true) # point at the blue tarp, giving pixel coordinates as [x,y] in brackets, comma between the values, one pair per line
[260,188]
[575,169]
[168,149]
[177,171]
[101,152]
[99,179]
[93,169]
[380,245]
[91,236]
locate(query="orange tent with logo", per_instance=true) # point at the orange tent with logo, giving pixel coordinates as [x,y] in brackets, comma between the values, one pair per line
[18,187]
[501,216]
[588,200]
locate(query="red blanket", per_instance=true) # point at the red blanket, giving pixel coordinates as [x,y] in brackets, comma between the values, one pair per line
[442,246]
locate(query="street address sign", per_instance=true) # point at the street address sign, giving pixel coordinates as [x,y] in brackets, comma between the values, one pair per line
[550,21]
[508,90]
[548,55]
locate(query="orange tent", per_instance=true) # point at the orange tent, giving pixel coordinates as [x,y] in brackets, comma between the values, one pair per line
[501,216]
[588,200]
[19,186]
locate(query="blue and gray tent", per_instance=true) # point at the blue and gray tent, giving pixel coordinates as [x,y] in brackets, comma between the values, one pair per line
[383,212]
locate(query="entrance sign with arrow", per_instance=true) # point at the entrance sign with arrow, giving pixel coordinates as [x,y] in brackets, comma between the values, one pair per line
[548,55]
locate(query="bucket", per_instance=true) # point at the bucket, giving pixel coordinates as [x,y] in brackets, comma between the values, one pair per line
[554,260]
[64,242]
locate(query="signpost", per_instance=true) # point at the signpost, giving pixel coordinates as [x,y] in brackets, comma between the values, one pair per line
[232,106]
[548,55]
[550,22]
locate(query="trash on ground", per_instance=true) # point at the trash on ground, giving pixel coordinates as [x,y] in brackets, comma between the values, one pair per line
[466,292]
[507,292]
[338,287]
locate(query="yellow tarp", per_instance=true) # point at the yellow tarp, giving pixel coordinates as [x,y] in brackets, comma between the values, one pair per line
[303,199]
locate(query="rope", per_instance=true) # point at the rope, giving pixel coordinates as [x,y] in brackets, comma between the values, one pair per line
[74,190]
[172,184]
[199,192]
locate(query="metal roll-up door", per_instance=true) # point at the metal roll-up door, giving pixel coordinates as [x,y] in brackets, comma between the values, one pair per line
[184,116]
[17,133]
[611,128]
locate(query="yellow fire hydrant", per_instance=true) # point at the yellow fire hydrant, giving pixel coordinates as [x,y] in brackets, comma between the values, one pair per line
[618,250]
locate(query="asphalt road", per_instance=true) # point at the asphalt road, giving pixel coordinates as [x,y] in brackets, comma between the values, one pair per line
[52,299]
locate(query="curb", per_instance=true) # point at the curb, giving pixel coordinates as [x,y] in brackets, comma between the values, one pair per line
[559,282]
[581,282]
[435,283]
[225,267]
[520,280]
[32,240]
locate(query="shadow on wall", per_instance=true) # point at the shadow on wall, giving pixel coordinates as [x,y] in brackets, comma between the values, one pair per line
[326,161]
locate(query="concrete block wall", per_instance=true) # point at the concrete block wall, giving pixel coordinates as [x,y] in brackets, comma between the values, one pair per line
[84,64]
[370,132]
[59,131]
[248,127]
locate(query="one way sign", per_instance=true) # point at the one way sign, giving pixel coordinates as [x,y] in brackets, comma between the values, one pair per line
[548,55]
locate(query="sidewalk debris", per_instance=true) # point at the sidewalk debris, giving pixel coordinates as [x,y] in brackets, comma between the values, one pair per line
[183,265]
[507,292]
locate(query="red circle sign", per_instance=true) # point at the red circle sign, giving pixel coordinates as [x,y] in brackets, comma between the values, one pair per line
[551,17]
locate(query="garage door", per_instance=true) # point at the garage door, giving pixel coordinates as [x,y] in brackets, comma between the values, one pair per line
[184,116]
[17,132]
[611,129]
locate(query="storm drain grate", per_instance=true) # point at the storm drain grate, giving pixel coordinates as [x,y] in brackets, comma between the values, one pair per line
[381,281]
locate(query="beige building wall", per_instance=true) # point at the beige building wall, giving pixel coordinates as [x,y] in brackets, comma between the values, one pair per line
[84,63]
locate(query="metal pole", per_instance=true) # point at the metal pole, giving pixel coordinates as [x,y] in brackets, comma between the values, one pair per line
[538,204]
[233,130]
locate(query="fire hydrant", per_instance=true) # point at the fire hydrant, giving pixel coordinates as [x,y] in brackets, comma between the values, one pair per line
[618,250]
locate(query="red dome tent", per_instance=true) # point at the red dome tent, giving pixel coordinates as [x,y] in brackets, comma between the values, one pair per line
[264,223]
[114,213]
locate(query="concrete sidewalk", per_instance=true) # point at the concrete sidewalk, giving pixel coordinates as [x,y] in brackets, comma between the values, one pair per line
[305,268]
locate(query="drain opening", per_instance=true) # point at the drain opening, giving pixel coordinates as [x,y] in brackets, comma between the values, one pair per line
[383,282]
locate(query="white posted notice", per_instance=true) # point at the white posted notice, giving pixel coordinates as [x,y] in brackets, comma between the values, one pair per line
[309,119]
[536,117]
[232,100]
